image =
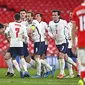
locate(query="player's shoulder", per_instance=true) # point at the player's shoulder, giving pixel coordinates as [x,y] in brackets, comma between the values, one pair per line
[44,23]
[23,25]
[69,23]
[51,22]
[24,22]
[35,23]
[78,7]
[63,21]
[11,23]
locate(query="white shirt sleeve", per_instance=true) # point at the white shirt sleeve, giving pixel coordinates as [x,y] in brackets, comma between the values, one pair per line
[25,35]
[25,32]
[7,29]
[66,29]
[69,29]
[46,26]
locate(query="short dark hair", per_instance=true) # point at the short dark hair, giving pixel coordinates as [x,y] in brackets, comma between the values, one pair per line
[23,10]
[1,26]
[41,15]
[57,12]
[32,14]
[17,16]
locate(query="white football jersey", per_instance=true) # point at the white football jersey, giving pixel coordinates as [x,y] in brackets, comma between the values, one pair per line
[59,29]
[70,28]
[43,26]
[16,31]
[69,31]
[27,24]
[38,34]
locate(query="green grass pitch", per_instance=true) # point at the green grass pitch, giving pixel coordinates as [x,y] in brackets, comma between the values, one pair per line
[16,80]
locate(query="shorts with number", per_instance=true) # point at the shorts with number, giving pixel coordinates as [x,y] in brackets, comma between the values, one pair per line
[39,48]
[70,54]
[62,48]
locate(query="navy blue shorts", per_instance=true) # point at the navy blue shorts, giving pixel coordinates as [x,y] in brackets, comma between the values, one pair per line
[25,50]
[46,46]
[15,51]
[62,48]
[39,48]
[70,54]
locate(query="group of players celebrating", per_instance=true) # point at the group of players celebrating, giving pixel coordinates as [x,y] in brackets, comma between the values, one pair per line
[27,27]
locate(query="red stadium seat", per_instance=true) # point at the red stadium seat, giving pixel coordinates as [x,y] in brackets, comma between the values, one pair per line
[2,3]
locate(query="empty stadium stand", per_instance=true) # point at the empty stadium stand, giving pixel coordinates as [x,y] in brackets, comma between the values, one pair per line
[9,7]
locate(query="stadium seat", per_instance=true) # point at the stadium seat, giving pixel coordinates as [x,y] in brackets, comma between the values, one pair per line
[2,3]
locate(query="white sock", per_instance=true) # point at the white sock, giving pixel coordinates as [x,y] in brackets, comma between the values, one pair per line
[38,66]
[70,69]
[46,64]
[69,60]
[28,65]
[10,65]
[62,66]
[16,65]
[8,70]
[82,68]
[32,62]
[20,64]
[79,66]
[43,69]
[47,70]
[23,63]
[84,80]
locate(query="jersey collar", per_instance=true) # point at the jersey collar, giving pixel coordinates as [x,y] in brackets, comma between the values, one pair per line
[56,21]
